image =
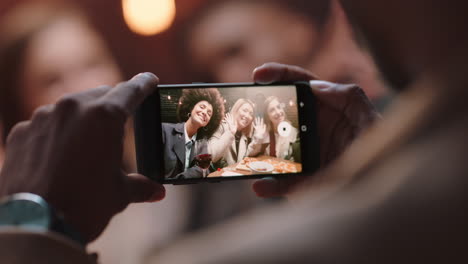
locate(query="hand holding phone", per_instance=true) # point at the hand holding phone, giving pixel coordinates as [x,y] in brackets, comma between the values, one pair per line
[247,131]
[343,111]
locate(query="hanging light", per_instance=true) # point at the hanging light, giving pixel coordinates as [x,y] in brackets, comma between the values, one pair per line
[148,17]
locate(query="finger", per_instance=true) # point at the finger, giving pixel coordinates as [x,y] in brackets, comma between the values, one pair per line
[87,95]
[267,188]
[42,111]
[18,129]
[142,189]
[128,95]
[275,72]
[340,96]
[95,92]
[271,187]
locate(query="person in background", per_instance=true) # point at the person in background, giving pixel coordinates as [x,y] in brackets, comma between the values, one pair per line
[225,39]
[201,112]
[229,144]
[48,49]
[270,140]
[397,194]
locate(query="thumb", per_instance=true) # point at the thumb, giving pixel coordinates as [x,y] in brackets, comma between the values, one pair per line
[334,95]
[275,72]
[141,189]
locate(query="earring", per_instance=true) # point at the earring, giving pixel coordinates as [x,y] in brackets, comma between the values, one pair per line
[189,115]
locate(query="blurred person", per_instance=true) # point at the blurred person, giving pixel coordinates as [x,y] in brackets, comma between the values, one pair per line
[222,41]
[201,112]
[226,39]
[397,194]
[229,144]
[271,141]
[49,49]
[47,53]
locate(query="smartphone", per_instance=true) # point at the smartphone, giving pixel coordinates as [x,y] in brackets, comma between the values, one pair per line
[192,133]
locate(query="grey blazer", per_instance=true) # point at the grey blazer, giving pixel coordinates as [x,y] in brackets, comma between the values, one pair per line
[173,139]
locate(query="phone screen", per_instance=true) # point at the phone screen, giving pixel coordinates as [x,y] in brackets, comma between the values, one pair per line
[230,132]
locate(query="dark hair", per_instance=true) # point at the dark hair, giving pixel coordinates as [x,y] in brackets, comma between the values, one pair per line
[188,100]
[17,28]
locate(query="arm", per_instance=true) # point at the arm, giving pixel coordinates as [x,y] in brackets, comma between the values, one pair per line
[41,248]
[256,147]
[81,138]
[286,145]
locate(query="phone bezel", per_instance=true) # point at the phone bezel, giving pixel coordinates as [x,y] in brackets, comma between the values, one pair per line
[148,133]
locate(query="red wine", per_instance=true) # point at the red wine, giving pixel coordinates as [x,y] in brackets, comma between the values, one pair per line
[203,160]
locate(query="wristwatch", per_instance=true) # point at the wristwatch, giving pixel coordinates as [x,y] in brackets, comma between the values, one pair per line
[30,211]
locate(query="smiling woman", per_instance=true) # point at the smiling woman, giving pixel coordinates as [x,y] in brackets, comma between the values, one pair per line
[191,97]
[199,112]
[274,142]
[230,142]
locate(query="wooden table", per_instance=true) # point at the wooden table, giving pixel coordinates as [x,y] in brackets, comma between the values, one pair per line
[232,167]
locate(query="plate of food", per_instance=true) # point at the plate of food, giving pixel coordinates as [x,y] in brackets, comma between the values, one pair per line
[261,167]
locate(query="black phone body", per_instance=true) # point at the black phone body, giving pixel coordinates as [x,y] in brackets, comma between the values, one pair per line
[291,148]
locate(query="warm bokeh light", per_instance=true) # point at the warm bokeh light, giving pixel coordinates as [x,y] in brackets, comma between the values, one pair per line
[148,17]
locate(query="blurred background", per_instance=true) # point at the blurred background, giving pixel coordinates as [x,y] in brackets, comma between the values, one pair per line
[166,44]
[49,48]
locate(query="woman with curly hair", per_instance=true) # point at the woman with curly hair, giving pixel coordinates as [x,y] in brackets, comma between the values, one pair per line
[200,112]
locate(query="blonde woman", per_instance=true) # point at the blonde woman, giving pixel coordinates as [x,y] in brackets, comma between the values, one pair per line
[230,143]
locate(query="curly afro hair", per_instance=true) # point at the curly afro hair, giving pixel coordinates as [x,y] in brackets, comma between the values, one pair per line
[188,100]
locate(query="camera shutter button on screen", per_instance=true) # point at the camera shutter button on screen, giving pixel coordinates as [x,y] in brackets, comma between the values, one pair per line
[284,129]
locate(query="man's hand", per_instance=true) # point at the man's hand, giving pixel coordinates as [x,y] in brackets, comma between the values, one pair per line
[343,111]
[70,153]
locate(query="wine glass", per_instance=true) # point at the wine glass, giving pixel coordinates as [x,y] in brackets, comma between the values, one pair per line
[202,157]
